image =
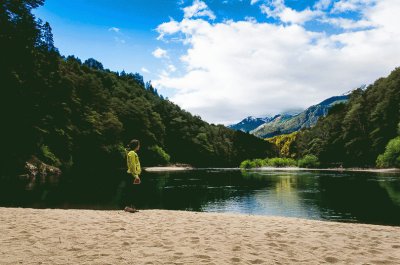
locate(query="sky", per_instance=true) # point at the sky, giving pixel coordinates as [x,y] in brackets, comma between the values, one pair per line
[225,60]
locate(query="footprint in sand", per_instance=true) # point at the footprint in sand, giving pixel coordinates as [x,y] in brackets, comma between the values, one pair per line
[235,259]
[211,249]
[331,260]
[373,251]
[237,248]
[257,261]
[203,257]
[272,244]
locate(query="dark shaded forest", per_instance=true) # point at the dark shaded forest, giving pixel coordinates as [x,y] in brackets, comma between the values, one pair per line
[78,116]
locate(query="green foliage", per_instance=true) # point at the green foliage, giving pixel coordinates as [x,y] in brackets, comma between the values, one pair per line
[247,164]
[80,115]
[391,156]
[268,162]
[158,156]
[285,144]
[309,161]
[354,134]
[48,157]
[255,163]
[280,162]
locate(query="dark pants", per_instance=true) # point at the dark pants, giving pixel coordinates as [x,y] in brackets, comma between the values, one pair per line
[130,193]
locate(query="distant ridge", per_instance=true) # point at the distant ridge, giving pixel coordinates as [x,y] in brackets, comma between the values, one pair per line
[287,122]
[249,123]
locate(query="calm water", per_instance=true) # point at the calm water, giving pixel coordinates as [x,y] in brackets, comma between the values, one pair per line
[350,197]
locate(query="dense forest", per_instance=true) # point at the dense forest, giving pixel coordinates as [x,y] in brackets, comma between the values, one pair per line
[78,116]
[356,133]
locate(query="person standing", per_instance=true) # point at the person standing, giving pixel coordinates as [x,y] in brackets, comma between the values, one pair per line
[134,169]
[132,160]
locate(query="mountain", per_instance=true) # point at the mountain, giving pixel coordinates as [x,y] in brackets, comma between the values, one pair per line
[249,123]
[364,132]
[286,123]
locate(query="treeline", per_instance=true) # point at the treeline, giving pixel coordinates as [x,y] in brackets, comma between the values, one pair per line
[356,133]
[364,132]
[79,116]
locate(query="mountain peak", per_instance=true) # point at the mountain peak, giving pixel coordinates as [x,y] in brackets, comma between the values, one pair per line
[289,121]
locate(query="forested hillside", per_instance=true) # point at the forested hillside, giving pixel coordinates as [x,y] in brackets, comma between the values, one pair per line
[286,124]
[79,116]
[354,134]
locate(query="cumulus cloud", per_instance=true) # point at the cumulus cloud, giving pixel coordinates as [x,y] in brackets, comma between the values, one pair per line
[243,68]
[322,4]
[171,68]
[351,5]
[145,70]
[278,10]
[198,9]
[114,29]
[252,2]
[345,23]
[160,53]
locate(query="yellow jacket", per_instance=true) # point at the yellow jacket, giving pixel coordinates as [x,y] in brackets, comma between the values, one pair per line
[133,164]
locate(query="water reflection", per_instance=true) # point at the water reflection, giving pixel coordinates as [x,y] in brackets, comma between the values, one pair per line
[352,197]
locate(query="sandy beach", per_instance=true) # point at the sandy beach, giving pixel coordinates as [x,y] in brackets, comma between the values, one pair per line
[167,168]
[373,170]
[48,236]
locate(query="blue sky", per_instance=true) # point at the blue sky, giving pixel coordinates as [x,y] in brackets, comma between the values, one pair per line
[227,59]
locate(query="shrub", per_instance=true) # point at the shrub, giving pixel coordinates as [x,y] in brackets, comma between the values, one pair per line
[280,162]
[258,162]
[48,156]
[309,161]
[158,156]
[247,164]
[391,156]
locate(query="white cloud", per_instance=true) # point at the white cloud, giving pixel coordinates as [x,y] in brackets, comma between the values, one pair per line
[277,9]
[160,53]
[252,2]
[198,9]
[351,5]
[171,68]
[167,28]
[345,23]
[238,69]
[145,70]
[114,29]
[322,4]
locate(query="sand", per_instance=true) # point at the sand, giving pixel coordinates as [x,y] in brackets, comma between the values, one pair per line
[164,169]
[34,236]
[373,170]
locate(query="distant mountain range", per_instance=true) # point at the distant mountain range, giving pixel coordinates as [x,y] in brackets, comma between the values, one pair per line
[249,123]
[287,122]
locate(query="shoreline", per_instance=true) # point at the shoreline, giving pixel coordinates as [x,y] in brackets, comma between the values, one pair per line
[167,168]
[372,170]
[55,236]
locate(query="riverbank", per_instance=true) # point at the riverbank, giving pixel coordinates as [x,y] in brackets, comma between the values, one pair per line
[374,170]
[53,236]
[167,168]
